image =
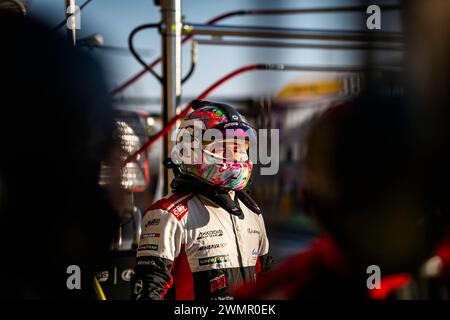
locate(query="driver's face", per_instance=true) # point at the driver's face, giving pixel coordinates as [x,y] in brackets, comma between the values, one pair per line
[230,150]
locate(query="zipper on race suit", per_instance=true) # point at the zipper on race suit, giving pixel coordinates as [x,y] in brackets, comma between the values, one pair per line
[241,264]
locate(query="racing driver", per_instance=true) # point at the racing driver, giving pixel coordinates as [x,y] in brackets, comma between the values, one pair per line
[208,235]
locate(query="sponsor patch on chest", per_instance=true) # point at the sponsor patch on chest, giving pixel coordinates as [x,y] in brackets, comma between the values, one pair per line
[204,249]
[209,234]
[213,260]
[179,210]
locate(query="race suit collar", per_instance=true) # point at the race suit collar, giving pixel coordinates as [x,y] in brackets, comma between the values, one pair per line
[221,197]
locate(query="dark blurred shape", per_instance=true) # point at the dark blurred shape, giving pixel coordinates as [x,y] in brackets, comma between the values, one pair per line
[12,7]
[377,178]
[363,182]
[363,185]
[428,66]
[428,45]
[57,127]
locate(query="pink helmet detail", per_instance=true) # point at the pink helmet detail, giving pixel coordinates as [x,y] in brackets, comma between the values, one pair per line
[213,169]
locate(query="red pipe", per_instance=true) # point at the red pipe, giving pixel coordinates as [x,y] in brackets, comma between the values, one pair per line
[185,111]
[137,76]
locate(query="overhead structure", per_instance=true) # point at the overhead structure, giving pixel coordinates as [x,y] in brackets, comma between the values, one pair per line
[172,30]
[287,45]
[290,33]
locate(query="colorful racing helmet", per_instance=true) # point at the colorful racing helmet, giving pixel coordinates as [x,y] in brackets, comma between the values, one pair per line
[213,143]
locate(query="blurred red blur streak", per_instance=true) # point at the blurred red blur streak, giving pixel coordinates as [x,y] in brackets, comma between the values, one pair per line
[186,110]
[137,76]
[389,284]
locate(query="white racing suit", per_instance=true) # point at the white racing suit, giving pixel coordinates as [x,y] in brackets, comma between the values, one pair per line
[192,248]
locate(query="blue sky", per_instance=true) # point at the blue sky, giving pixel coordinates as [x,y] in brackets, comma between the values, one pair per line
[114,19]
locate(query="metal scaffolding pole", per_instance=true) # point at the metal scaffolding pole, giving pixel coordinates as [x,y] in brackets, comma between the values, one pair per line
[329,68]
[290,33]
[171,72]
[278,44]
[71,17]
[348,9]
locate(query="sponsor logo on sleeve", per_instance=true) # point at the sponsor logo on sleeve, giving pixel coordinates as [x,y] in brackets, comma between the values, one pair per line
[153,247]
[150,235]
[213,260]
[153,222]
[146,263]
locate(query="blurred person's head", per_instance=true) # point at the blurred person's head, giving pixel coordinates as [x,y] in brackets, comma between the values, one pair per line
[361,182]
[427,48]
[57,126]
